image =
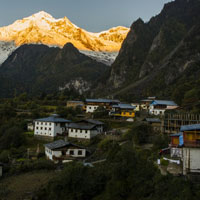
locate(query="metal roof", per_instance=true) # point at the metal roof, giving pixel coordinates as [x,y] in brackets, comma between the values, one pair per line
[176,134]
[91,121]
[155,120]
[53,118]
[124,106]
[57,144]
[60,144]
[82,126]
[192,127]
[102,100]
[163,102]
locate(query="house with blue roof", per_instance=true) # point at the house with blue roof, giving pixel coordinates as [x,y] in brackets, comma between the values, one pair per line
[51,126]
[123,110]
[158,107]
[191,148]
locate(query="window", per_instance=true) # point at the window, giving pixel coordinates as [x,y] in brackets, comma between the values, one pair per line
[49,129]
[45,123]
[90,107]
[41,123]
[49,124]
[45,128]
[37,127]
[80,131]
[86,131]
[41,128]
[80,152]
[71,152]
[38,123]
[76,130]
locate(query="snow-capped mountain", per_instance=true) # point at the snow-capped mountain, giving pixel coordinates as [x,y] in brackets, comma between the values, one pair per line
[102,56]
[6,48]
[43,28]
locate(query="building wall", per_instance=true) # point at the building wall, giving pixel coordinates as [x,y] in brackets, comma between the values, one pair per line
[191,160]
[154,111]
[76,153]
[50,153]
[30,127]
[49,129]
[91,108]
[176,152]
[82,134]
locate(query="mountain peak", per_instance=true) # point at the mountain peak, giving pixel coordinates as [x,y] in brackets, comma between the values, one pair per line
[42,28]
[42,14]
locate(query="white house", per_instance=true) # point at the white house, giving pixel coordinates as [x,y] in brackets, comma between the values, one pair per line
[61,150]
[99,124]
[93,104]
[85,129]
[158,107]
[51,126]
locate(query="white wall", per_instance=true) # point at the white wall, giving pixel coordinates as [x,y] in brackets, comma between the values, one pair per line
[91,108]
[176,152]
[191,160]
[49,129]
[50,153]
[82,134]
[156,111]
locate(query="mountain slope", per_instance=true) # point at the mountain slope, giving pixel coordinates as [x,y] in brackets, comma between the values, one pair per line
[43,28]
[37,68]
[156,55]
[6,48]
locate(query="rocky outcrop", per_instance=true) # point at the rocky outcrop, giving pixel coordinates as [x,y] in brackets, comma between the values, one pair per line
[155,55]
[36,69]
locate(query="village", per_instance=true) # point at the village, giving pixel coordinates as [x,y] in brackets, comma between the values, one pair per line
[86,132]
[164,116]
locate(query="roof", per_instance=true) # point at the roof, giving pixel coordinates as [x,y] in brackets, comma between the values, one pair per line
[91,121]
[53,118]
[164,102]
[60,144]
[192,127]
[82,126]
[147,100]
[176,135]
[154,120]
[57,144]
[102,101]
[124,106]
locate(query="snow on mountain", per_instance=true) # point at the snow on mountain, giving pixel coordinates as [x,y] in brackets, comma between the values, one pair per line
[6,48]
[102,56]
[43,28]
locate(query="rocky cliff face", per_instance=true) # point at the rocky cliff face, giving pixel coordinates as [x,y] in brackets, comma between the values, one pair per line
[155,55]
[37,68]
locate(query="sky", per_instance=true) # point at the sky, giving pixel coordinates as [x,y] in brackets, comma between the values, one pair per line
[92,15]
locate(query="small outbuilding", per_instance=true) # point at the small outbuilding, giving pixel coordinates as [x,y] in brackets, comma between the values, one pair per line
[61,150]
